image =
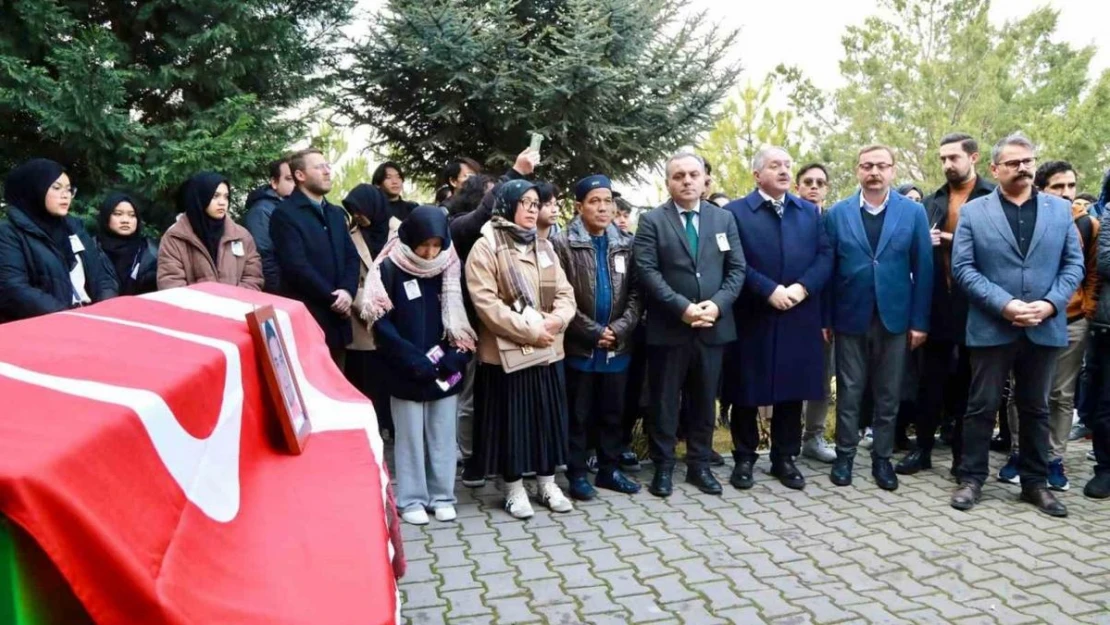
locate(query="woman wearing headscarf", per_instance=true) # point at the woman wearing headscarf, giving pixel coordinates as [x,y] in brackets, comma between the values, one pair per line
[413,299]
[48,262]
[911,191]
[131,256]
[524,304]
[205,245]
[370,227]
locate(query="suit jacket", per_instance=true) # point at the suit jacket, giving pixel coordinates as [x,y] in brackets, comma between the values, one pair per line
[672,279]
[316,256]
[896,279]
[988,265]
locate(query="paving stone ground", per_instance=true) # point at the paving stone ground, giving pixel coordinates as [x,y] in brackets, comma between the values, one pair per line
[769,555]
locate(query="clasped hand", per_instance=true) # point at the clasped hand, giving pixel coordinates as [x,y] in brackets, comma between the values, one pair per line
[785,298]
[701,315]
[1027,314]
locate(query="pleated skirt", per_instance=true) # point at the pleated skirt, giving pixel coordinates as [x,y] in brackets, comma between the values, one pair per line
[520,420]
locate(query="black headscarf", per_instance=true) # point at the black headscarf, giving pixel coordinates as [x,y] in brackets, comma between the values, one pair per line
[25,190]
[505,201]
[120,250]
[193,199]
[370,202]
[423,223]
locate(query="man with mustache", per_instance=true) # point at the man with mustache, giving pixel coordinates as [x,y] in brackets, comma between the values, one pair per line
[1016,253]
[877,304]
[941,384]
[777,357]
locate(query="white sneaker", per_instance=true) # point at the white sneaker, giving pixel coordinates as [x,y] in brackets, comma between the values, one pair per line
[867,439]
[446,513]
[817,449]
[552,496]
[518,506]
[416,516]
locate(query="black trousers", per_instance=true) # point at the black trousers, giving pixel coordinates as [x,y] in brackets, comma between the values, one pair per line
[1099,420]
[1033,366]
[634,388]
[786,431]
[946,382]
[683,373]
[596,406]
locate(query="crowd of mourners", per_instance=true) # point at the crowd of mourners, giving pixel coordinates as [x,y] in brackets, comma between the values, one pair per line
[492,337]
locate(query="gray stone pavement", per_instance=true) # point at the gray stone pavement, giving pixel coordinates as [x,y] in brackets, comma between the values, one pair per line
[769,555]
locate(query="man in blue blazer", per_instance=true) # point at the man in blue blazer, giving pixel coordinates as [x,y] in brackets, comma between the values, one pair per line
[1016,253]
[877,304]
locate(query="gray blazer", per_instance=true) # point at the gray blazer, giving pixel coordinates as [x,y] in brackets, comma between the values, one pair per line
[671,279]
[987,264]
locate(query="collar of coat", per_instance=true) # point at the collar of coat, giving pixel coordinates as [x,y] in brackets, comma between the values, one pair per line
[754,201]
[982,187]
[577,235]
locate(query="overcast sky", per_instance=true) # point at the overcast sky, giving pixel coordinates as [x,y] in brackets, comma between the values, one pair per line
[807,33]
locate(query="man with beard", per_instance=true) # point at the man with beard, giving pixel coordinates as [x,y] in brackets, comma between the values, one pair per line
[1016,253]
[318,261]
[943,384]
[878,307]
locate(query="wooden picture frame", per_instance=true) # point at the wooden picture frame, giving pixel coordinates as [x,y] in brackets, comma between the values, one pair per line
[278,379]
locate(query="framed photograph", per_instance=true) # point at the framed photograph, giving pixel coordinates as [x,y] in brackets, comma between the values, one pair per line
[277,374]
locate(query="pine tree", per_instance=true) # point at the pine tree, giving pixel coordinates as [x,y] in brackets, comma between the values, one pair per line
[140,95]
[613,85]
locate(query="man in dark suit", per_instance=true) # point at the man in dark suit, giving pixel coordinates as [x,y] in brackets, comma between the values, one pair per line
[318,261]
[1017,255]
[691,270]
[880,291]
[778,357]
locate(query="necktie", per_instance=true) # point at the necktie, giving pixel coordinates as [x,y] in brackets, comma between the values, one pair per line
[777,205]
[691,232]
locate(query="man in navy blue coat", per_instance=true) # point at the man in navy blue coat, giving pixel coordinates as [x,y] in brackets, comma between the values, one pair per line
[777,358]
[318,261]
[877,306]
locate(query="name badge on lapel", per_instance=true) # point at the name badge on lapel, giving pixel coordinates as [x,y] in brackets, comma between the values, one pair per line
[722,242]
[412,289]
[545,260]
[618,264]
[75,244]
[237,248]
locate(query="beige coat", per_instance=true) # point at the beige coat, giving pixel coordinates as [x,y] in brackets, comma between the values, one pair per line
[183,259]
[363,338]
[496,317]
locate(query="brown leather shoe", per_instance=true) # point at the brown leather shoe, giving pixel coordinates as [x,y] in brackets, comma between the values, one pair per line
[1045,501]
[966,496]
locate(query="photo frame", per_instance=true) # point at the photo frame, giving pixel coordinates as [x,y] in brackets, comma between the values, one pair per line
[278,379]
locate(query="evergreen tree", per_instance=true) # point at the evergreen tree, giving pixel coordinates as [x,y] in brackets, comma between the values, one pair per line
[613,85]
[140,95]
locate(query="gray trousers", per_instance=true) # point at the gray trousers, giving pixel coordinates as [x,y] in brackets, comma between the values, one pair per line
[466,410]
[424,453]
[878,358]
[817,411]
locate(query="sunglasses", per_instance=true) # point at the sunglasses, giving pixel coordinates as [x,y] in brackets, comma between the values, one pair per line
[814,182]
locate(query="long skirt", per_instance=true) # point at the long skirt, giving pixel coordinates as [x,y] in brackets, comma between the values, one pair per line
[520,420]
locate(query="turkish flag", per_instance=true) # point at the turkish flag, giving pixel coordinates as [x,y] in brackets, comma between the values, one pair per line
[138,449]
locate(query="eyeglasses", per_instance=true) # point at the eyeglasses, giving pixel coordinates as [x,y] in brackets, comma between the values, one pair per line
[529,205]
[70,191]
[815,182]
[872,166]
[1022,163]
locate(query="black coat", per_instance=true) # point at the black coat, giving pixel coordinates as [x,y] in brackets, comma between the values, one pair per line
[948,316]
[146,275]
[34,274]
[316,257]
[260,208]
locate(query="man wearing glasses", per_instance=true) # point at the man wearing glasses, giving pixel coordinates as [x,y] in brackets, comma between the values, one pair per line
[877,305]
[1016,253]
[812,183]
[940,384]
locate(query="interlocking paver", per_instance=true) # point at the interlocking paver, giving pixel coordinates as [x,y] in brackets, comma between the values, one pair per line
[825,555]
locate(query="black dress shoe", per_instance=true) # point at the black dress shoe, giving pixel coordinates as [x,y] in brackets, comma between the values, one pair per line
[1098,487]
[884,475]
[915,461]
[841,473]
[742,475]
[1045,501]
[629,463]
[613,479]
[662,485]
[788,473]
[715,459]
[705,481]
[966,496]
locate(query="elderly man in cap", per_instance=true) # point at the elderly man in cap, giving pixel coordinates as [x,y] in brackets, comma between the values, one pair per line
[597,258]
